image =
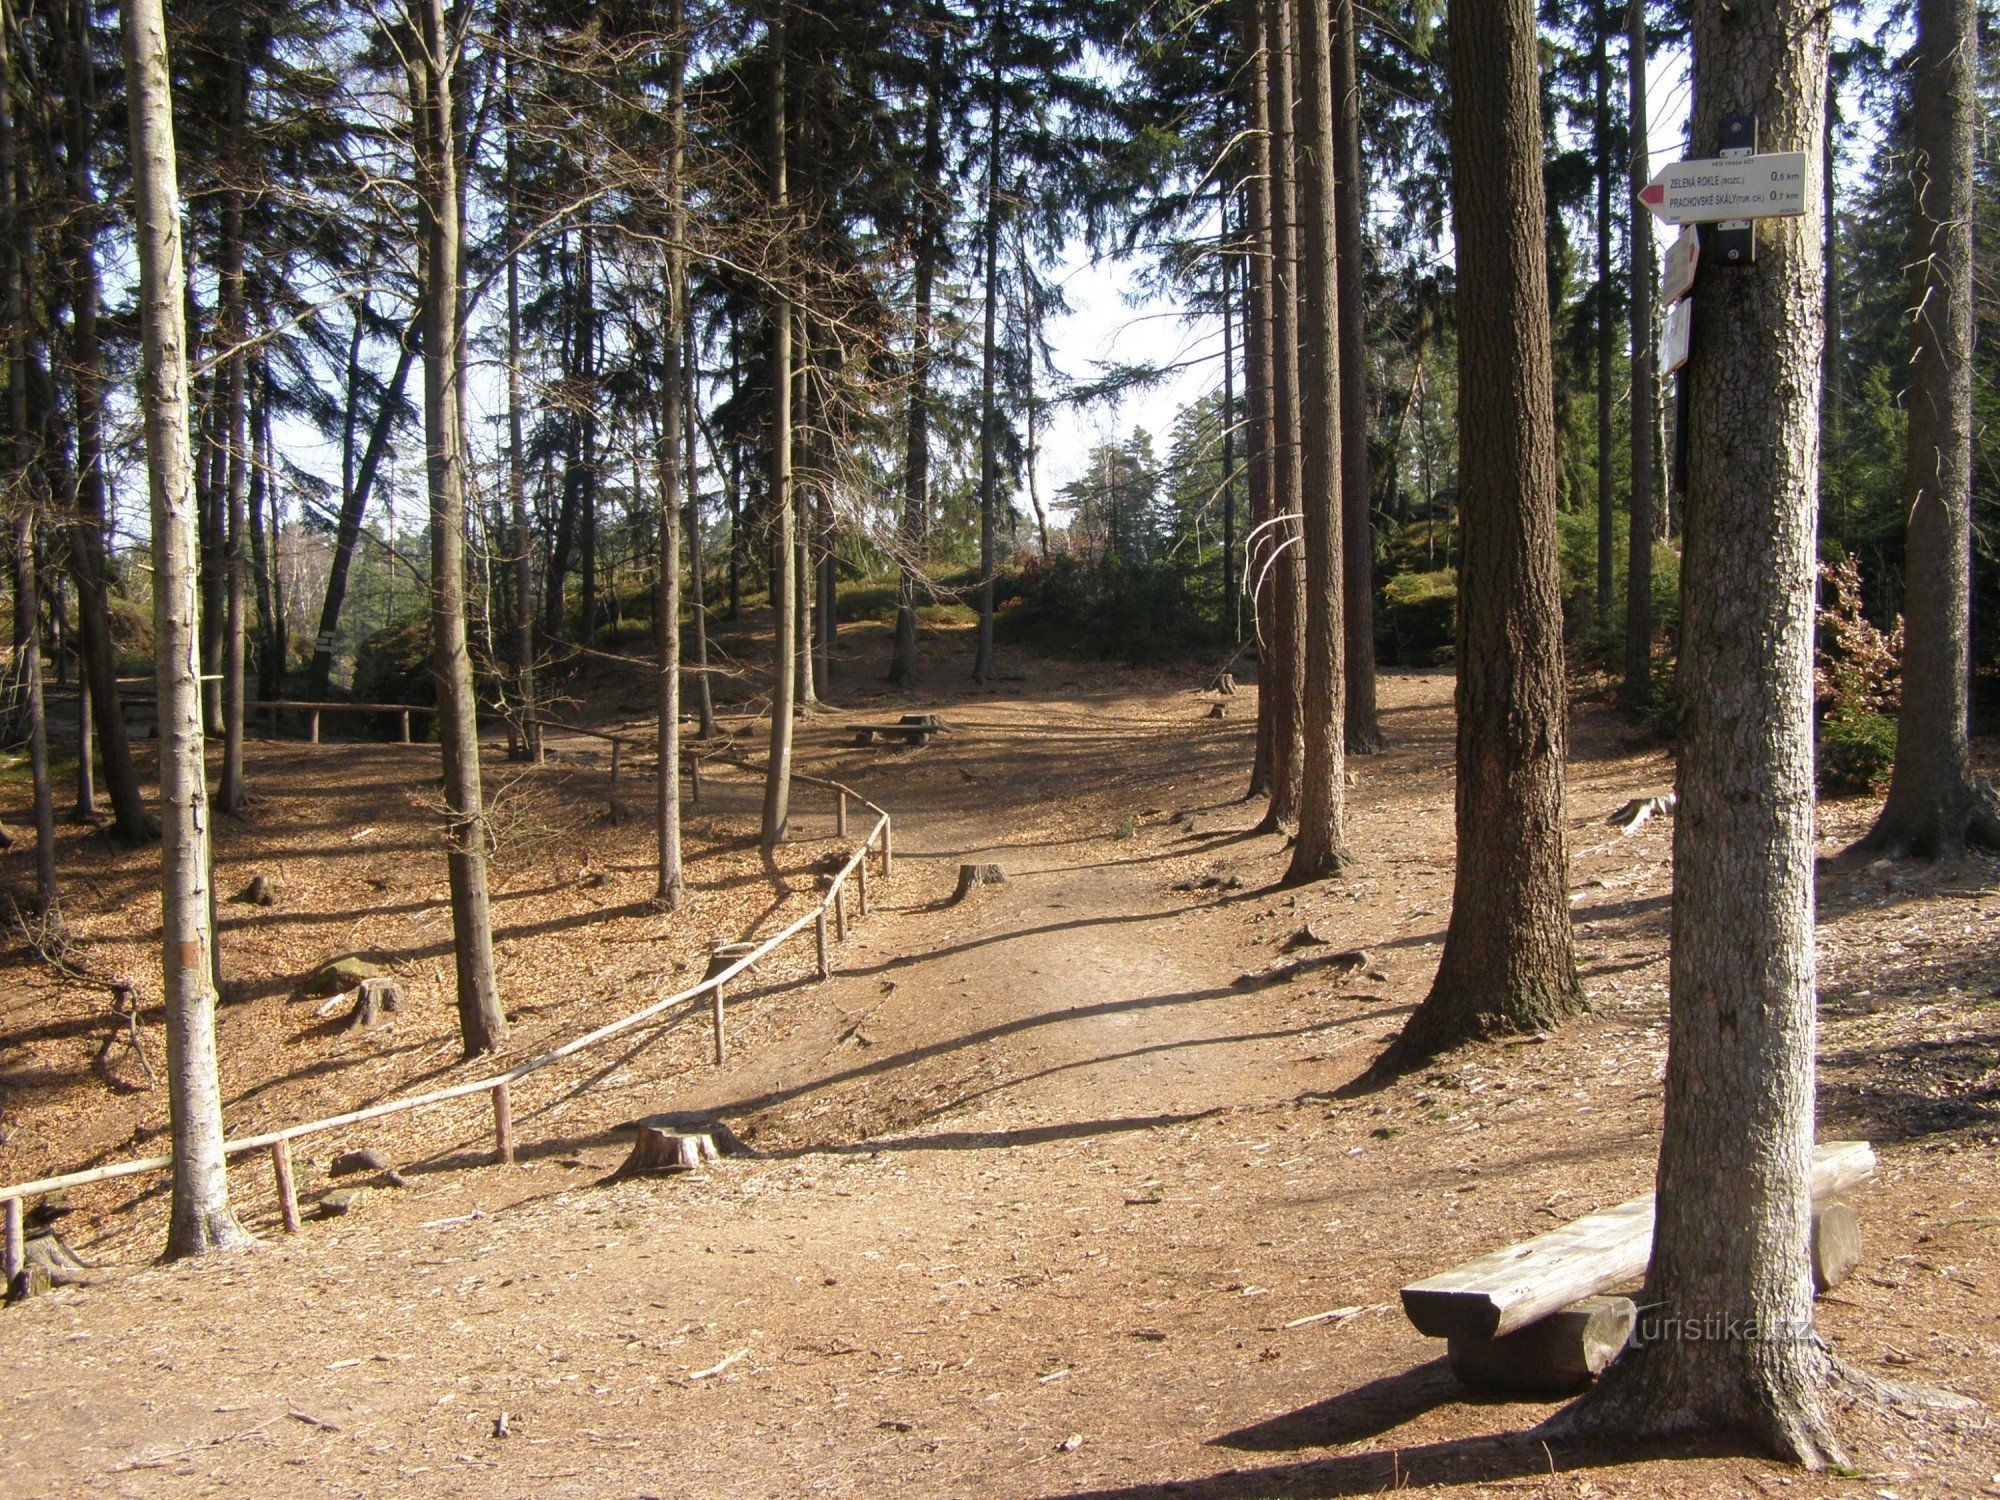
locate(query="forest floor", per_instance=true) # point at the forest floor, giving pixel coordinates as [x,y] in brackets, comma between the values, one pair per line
[1044,1205]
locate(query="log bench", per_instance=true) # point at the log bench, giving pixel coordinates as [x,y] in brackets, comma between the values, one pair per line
[1529,1317]
[915,729]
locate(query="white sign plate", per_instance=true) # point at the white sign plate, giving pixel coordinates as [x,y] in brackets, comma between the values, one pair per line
[1768,186]
[1680,333]
[1682,257]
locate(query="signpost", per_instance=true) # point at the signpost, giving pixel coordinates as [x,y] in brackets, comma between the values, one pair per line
[1680,333]
[1712,191]
[1682,258]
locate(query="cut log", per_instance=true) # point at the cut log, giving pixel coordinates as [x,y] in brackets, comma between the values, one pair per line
[1511,1288]
[683,1122]
[341,1201]
[971,877]
[922,721]
[367,1159]
[45,1248]
[1552,1356]
[337,976]
[1836,1245]
[908,733]
[1347,961]
[665,1151]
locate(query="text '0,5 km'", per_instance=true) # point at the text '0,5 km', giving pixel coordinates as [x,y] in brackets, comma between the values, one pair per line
[1768,186]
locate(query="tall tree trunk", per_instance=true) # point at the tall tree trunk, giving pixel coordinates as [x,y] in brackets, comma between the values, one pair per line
[85,810]
[1734,1207]
[1285,681]
[989,360]
[201,1218]
[1364,725]
[671,888]
[1508,963]
[28,666]
[233,329]
[1258,382]
[1935,805]
[1601,151]
[1321,849]
[353,507]
[804,616]
[697,589]
[1832,403]
[1637,691]
[89,564]
[587,474]
[778,771]
[521,539]
[1226,263]
[270,659]
[482,1024]
[913,526]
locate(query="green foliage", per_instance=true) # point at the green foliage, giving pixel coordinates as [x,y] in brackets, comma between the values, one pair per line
[394,666]
[1857,751]
[1136,612]
[1422,613]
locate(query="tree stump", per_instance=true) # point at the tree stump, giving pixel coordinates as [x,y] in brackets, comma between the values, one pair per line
[1216,711]
[1559,1353]
[657,1152]
[376,997]
[1836,1245]
[1225,684]
[257,893]
[970,877]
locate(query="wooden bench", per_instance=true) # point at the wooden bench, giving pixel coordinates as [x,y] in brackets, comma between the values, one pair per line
[911,729]
[1494,1309]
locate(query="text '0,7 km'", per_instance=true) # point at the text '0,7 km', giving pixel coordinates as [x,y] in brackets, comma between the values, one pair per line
[1767,186]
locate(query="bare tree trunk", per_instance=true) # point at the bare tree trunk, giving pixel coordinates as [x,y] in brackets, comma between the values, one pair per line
[353,507]
[1364,726]
[1935,806]
[778,772]
[1226,263]
[482,1023]
[521,538]
[1600,21]
[230,795]
[201,1218]
[1321,849]
[1258,381]
[1509,963]
[28,653]
[914,525]
[1638,686]
[989,359]
[671,889]
[85,810]
[1734,1206]
[698,600]
[131,821]
[270,647]
[1285,680]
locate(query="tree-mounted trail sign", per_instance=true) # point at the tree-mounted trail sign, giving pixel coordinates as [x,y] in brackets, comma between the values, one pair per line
[1771,185]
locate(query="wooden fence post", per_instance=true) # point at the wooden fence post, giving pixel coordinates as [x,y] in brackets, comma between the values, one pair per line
[840,814]
[312,726]
[503,1123]
[406,726]
[888,847]
[694,775]
[840,912]
[281,1168]
[819,935]
[861,869]
[16,1252]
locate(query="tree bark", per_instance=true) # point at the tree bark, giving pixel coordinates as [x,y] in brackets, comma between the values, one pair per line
[521,634]
[1637,690]
[1285,681]
[671,887]
[201,1219]
[1509,963]
[482,1023]
[778,770]
[1258,380]
[233,328]
[88,562]
[1364,725]
[989,359]
[1601,152]
[1936,806]
[914,524]
[1321,849]
[28,665]
[697,589]
[1734,1205]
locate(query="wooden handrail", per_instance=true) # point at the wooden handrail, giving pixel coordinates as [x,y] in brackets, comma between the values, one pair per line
[278,1141]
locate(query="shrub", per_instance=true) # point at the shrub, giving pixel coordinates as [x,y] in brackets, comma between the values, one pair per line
[1857,750]
[1422,610]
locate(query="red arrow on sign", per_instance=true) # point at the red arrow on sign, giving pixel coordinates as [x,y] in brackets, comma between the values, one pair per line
[1653,194]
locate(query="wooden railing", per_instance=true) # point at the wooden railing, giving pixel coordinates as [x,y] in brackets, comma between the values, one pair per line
[832,903]
[312,710]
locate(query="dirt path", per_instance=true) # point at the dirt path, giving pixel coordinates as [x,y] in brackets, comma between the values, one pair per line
[1044,1196]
